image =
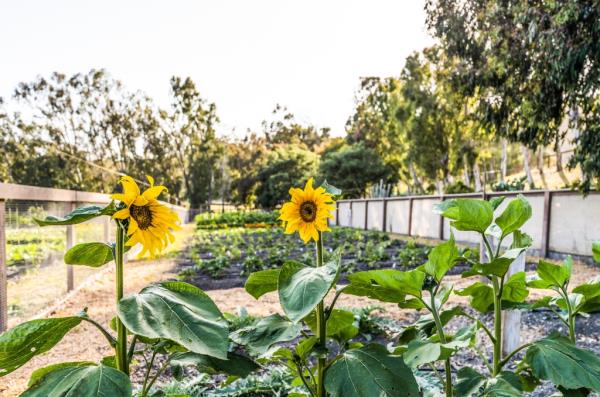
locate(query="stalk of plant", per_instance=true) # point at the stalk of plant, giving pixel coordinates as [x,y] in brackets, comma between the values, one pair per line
[121,346]
[321,328]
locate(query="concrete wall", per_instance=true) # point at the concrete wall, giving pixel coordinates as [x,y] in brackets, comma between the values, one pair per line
[573,221]
[375,215]
[397,216]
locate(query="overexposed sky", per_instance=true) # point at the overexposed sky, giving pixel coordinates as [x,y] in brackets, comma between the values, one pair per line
[246,56]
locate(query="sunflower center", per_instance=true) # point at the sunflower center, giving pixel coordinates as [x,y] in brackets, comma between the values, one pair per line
[142,215]
[308,211]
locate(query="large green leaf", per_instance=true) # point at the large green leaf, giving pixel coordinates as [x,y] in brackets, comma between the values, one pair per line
[79,215]
[558,360]
[89,254]
[236,364]
[340,324]
[468,382]
[19,344]
[302,287]
[258,338]
[468,214]
[259,283]
[515,288]
[555,275]
[516,213]
[596,251]
[421,352]
[387,285]
[81,380]
[370,371]
[481,296]
[179,312]
[441,259]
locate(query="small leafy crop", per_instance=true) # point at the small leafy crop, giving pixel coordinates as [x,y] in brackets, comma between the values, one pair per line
[251,219]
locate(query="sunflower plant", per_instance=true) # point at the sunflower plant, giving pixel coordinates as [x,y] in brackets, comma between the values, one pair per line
[172,320]
[555,358]
[326,359]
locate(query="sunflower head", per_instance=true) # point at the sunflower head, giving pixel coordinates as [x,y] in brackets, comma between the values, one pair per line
[307,212]
[150,223]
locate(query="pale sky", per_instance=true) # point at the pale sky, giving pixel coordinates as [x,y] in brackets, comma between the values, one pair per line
[246,56]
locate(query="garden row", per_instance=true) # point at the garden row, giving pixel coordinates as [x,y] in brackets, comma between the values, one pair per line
[225,258]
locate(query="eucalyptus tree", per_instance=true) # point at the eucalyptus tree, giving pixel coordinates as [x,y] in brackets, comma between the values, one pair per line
[531,65]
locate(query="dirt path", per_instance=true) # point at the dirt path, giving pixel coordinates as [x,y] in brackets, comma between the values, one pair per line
[85,342]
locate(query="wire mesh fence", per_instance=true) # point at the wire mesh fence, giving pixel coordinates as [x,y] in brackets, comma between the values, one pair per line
[33,275]
[36,274]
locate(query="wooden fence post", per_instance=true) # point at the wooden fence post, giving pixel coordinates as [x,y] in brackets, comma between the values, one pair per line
[70,244]
[3,265]
[337,213]
[366,214]
[511,319]
[441,231]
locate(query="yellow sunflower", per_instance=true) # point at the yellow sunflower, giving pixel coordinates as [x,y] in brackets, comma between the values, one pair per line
[150,222]
[308,211]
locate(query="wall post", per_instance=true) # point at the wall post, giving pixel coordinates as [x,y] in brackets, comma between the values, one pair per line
[410,217]
[366,214]
[384,220]
[3,270]
[546,224]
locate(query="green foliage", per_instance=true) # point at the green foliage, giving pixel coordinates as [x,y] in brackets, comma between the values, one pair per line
[302,287]
[236,219]
[261,282]
[468,214]
[81,379]
[353,168]
[514,185]
[178,312]
[235,364]
[556,359]
[29,339]
[259,337]
[89,254]
[458,187]
[388,374]
[285,166]
[79,215]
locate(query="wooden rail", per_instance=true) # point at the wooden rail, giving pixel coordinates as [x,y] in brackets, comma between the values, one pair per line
[73,198]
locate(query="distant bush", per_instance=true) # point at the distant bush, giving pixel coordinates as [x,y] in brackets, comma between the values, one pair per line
[251,219]
[458,187]
[514,185]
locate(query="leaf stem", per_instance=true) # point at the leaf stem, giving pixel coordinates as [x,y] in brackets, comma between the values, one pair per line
[571,315]
[333,302]
[518,349]
[107,335]
[121,347]
[321,330]
[497,326]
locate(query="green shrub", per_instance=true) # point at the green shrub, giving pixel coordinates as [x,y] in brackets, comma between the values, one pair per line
[237,219]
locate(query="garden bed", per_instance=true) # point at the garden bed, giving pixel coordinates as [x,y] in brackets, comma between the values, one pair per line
[222,259]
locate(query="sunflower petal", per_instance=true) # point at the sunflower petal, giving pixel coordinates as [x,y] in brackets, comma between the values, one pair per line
[121,214]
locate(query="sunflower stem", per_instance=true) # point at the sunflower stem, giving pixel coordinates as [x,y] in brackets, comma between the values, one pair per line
[321,330]
[121,346]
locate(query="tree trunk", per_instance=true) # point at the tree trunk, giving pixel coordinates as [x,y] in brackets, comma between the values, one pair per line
[504,161]
[525,151]
[416,181]
[477,177]
[540,160]
[558,151]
